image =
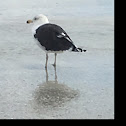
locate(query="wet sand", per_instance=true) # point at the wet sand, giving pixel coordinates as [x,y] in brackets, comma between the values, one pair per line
[81,87]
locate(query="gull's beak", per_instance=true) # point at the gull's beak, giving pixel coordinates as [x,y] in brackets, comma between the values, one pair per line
[29,21]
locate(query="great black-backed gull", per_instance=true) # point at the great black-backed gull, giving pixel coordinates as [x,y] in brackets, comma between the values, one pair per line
[51,37]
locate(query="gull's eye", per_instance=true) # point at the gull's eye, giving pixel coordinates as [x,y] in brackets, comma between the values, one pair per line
[35,18]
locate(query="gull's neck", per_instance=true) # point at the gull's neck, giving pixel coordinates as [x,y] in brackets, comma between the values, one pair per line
[39,23]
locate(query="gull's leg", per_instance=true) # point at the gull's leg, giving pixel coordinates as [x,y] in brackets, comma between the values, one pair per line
[55,60]
[46,60]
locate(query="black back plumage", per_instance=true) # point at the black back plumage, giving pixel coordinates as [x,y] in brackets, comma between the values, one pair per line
[47,35]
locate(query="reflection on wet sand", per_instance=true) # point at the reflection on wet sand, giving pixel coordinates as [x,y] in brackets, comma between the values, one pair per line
[53,93]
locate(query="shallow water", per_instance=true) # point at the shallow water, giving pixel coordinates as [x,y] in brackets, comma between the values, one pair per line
[82,85]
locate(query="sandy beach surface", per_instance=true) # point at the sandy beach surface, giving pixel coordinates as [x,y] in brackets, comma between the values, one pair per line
[82,86]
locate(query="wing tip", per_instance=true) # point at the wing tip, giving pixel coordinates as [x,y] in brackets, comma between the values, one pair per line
[81,50]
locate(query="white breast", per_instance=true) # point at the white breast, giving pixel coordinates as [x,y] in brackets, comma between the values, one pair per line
[34,28]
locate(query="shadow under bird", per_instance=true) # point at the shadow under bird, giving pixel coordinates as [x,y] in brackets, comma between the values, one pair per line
[51,37]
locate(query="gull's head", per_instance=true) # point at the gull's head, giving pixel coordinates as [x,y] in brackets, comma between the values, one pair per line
[39,19]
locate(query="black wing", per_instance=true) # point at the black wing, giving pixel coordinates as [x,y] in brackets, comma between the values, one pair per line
[53,38]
